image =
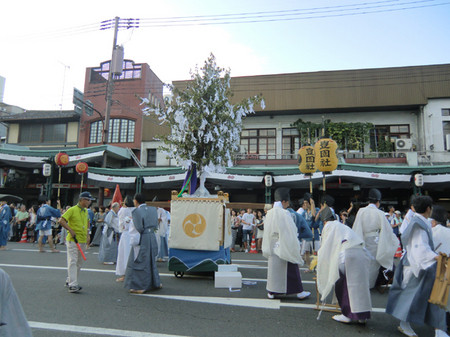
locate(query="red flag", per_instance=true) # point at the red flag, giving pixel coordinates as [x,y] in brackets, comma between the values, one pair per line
[117,197]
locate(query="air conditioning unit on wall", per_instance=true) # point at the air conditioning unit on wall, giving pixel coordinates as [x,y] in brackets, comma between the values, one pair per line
[403,144]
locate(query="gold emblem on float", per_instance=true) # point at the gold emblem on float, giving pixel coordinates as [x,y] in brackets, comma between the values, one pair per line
[194,225]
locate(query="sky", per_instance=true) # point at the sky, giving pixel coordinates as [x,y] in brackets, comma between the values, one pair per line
[47,45]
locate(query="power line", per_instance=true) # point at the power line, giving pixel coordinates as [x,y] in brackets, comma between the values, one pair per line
[288,15]
[246,17]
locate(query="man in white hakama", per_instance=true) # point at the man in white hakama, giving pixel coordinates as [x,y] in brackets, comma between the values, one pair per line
[372,226]
[415,275]
[342,265]
[282,248]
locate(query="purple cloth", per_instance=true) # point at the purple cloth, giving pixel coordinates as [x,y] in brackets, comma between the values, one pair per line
[294,281]
[341,290]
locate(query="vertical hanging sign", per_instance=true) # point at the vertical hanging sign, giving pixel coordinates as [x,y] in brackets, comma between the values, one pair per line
[307,162]
[326,156]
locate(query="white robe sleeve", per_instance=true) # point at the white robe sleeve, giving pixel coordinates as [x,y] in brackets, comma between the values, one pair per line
[420,255]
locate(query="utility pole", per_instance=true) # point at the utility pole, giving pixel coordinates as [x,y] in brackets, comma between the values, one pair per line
[115,68]
[109,93]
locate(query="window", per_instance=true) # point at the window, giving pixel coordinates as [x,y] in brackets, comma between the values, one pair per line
[120,131]
[445,112]
[290,143]
[43,133]
[54,133]
[95,136]
[130,71]
[382,137]
[259,141]
[446,132]
[151,157]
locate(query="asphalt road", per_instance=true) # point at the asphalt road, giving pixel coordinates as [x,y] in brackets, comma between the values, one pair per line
[188,306]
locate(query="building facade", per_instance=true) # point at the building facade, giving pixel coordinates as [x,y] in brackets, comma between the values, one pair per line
[408,108]
[128,126]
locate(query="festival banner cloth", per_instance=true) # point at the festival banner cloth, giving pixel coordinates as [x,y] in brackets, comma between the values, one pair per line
[196,224]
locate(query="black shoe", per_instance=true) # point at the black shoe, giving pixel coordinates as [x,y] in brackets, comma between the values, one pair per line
[66,284]
[74,289]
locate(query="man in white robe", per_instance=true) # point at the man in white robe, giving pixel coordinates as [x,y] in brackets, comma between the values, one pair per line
[415,275]
[125,221]
[107,253]
[12,318]
[408,216]
[342,265]
[441,236]
[372,226]
[282,249]
[161,235]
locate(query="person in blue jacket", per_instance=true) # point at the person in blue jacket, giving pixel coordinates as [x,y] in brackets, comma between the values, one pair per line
[44,222]
[309,211]
[5,219]
[304,232]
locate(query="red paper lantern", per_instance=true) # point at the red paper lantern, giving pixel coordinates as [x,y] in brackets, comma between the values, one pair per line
[81,167]
[62,159]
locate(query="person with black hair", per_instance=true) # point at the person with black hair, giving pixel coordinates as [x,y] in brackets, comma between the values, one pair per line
[282,249]
[379,239]
[44,222]
[142,271]
[415,274]
[310,243]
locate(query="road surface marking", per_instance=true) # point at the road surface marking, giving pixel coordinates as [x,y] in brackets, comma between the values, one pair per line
[95,331]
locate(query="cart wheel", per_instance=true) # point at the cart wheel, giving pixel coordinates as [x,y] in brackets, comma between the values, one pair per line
[178,274]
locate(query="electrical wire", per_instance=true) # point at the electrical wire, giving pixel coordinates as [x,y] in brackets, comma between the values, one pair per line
[247,17]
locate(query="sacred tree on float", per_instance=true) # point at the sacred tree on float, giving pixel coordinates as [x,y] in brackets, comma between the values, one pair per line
[205,125]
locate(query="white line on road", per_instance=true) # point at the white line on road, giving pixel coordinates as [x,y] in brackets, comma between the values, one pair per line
[249,302]
[243,302]
[95,331]
[113,271]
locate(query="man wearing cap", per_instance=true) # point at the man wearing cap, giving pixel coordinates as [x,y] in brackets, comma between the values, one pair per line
[76,221]
[5,219]
[342,265]
[282,249]
[44,222]
[415,275]
[372,226]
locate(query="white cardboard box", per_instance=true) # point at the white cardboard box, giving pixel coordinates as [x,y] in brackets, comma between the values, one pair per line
[228,279]
[227,267]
